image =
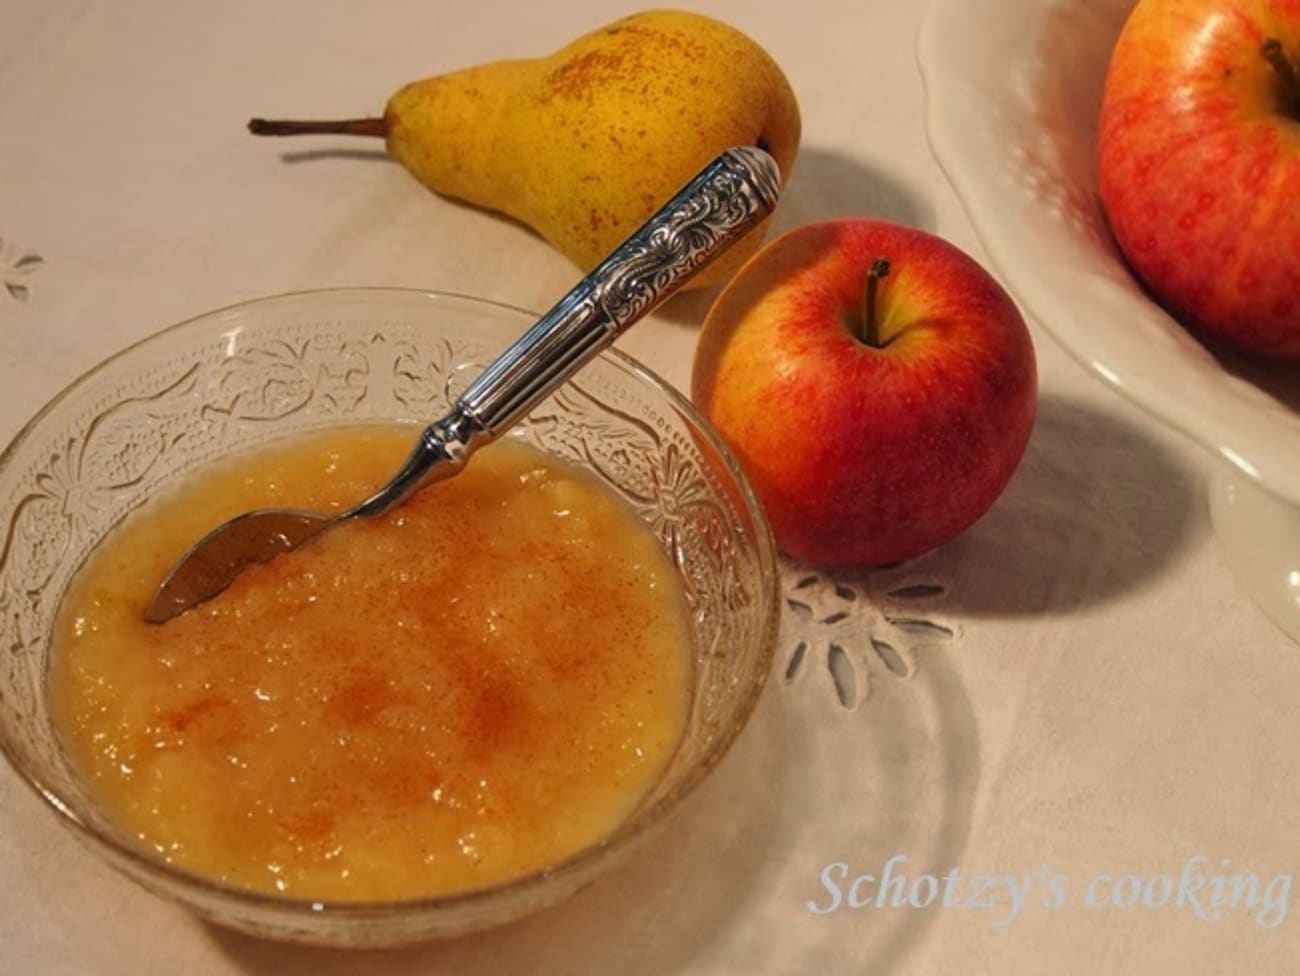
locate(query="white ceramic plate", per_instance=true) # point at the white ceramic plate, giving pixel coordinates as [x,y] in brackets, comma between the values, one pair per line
[1013,90]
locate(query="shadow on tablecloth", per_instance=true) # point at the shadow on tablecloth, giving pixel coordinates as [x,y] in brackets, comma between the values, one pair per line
[1097,510]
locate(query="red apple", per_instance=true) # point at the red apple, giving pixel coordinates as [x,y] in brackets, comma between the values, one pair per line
[1199,164]
[877,414]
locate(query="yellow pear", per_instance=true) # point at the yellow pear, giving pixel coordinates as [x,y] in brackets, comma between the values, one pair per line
[584,144]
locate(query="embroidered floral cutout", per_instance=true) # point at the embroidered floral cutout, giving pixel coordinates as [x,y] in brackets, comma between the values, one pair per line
[844,625]
[16,267]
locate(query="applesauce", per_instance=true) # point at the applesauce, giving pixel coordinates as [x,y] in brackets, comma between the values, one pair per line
[473,686]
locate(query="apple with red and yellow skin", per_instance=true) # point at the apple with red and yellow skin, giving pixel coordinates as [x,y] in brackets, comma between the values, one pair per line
[1199,164]
[878,413]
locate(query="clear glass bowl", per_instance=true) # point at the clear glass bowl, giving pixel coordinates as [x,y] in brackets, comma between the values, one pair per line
[258,371]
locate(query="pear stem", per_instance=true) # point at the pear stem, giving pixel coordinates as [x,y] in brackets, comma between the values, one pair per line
[1274,54]
[869,331]
[377,127]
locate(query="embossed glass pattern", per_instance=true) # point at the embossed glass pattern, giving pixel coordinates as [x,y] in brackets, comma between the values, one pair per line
[256,372]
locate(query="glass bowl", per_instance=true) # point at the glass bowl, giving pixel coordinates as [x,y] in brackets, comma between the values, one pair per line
[1013,95]
[258,371]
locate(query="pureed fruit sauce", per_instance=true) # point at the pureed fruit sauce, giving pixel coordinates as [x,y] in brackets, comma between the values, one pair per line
[480,682]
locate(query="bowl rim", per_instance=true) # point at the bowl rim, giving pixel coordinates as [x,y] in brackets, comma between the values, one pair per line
[622,837]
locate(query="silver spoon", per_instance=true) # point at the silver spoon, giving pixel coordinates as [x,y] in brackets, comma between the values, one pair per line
[727,198]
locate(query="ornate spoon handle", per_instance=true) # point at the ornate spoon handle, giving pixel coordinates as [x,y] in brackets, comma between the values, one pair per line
[728,197]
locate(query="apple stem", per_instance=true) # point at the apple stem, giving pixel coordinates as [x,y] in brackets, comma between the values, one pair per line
[1274,54]
[291,127]
[870,325]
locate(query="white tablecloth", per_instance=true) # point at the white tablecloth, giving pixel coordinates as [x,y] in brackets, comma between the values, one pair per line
[1079,690]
